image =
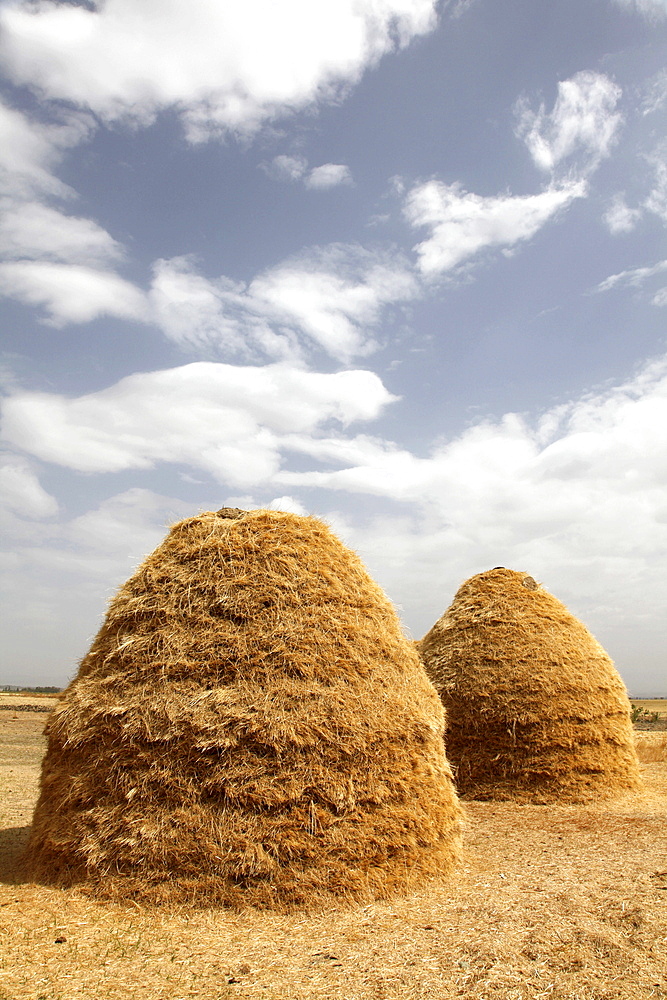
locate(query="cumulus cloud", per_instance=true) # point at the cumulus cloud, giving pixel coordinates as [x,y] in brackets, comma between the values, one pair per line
[288,504]
[577,497]
[30,150]
[295,168]
[580,466]
[463,224]
[70,293]
[203,313]
[34,230]
[20,489]
[334,295]
[327,176]
[61,262]
[582,126]
[223,66]
[235,423]
[287,168]
[330,297]
[619,217]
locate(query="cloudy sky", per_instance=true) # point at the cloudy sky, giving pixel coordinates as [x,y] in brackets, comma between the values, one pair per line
[395,263]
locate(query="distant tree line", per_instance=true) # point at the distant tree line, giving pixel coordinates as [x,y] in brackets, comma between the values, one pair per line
[35,690]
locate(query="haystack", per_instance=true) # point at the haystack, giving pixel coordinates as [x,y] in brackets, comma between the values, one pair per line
[535,708]
[250,727]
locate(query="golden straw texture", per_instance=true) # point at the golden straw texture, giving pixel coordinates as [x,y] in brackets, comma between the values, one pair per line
[536,710]
[250,727]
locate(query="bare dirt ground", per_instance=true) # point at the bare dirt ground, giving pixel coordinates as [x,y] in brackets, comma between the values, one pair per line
[568,903]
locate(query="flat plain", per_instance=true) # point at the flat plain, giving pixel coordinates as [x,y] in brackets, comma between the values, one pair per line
[658,705]
[563,902]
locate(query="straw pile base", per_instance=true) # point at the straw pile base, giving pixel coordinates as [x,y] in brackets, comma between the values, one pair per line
[541,764]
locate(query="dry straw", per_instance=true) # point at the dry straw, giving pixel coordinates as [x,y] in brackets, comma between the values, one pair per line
[250,727]
[536,710]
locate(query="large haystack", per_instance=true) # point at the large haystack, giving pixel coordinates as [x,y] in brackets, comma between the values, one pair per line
[249,727]
[536,710]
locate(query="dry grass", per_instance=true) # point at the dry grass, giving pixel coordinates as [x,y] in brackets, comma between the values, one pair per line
[536,711]
[651,747]
[250,727]
[558,902]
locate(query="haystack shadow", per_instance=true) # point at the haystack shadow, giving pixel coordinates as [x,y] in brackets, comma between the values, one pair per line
[13,842]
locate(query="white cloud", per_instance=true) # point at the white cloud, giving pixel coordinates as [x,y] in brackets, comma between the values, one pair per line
[204,313]
[657,199]
[656,93]
[633,277]
[33,230]
[619,217]
[636,277]
[334,295]
[654,10]
[331,297]
[71,293]
[223,66]
[56,261]
[232,422]
[29,150]
[327,176]
[463,224]
[287,168]
[288,504]
[584,121]
[578,498]
[21,491]
[515,480]
[295,168]
[456,8]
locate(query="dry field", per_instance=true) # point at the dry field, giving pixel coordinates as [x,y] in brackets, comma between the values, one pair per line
[650,708]
[567,903]
[658,705]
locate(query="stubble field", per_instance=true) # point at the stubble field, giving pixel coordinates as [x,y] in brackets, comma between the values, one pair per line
[566,902]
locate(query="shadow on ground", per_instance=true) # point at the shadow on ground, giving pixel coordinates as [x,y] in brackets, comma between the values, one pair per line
[13,842]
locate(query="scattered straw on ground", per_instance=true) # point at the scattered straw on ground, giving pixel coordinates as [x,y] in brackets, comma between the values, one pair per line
[652,748]
[558,902]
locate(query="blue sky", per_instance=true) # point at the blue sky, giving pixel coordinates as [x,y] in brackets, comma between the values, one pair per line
[394,263]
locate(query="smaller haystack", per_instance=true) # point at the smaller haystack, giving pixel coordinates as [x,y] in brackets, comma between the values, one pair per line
[250,727]
[536,711]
